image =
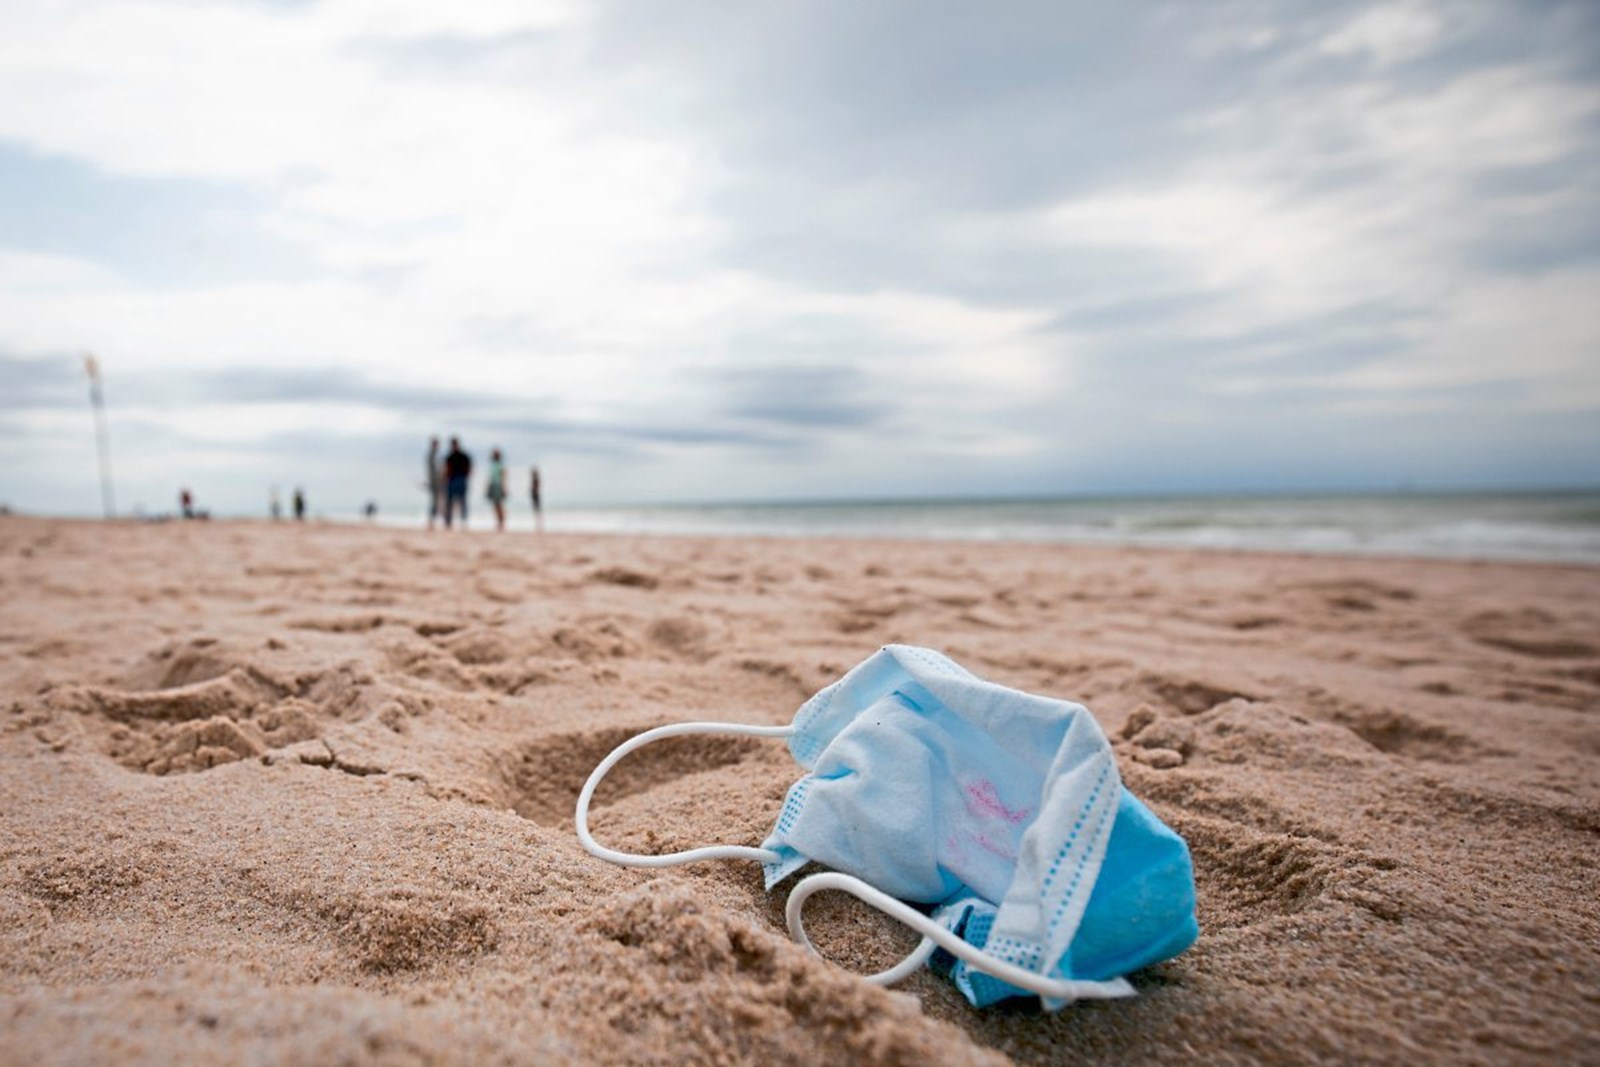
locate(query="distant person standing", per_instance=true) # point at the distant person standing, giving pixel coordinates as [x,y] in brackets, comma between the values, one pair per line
[538,505]
[276,506]
[186,503]
[299,505]
[434,482]
[497,489]
[457,470]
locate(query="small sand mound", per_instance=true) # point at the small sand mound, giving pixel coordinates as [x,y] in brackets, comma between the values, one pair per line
[201,659]
[236,694]
[479,647]
[1240,731]
[406,932]
[209,743]
[686,968]
[63,879]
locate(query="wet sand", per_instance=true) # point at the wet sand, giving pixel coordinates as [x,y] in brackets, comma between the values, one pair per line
[286,794]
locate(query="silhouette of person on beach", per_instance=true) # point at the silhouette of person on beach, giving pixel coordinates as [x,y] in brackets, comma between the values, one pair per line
[435,482]
[538,506]
[457,470]
[276,507]
[299,505]
[186,503]
[497,488]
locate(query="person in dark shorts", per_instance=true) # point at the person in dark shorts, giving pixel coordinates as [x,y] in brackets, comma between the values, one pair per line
[457,470]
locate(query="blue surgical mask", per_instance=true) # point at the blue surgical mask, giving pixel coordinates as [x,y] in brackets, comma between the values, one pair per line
[1001,809]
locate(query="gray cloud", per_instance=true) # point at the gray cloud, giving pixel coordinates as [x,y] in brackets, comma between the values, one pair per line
[622,438]
[35,382]
[330,385]
[56,382]
[165,231]
[804,397]
[941,104]
[1544,214]
[859,139]
[41,382]
[854,124]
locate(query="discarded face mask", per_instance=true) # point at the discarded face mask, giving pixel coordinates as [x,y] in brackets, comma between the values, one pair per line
[1002,809]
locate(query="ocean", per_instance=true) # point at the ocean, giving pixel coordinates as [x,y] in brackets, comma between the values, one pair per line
[1552,526]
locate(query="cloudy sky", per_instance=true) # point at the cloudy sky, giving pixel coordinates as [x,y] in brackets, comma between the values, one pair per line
[727,250]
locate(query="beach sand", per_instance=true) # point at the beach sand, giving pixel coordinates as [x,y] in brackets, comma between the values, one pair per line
[280,794]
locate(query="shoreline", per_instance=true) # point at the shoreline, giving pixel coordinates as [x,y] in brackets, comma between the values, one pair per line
[883,540]
[1351,555]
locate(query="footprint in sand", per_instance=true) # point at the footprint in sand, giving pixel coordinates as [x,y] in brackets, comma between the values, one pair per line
[194,727]
[591,639]
[1398,734]
[861,616]
[784,673]
[1358,594]
[543,777]
[1255,861]
[1530,632]
[1244,876]
[682,636]
[1190,695]
[341,624]
[437,627]
[478,657]
[202,703]
[624,576]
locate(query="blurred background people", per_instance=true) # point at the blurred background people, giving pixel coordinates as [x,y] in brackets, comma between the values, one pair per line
[538,506]
[457,470]
[497,488]
[434,483]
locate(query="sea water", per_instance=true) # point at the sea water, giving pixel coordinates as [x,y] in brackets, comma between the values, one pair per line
[1557,526]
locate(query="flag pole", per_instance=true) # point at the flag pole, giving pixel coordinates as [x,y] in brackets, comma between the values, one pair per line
[98,401]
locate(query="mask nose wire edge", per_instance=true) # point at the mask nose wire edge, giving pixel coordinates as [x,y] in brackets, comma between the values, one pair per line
[670,859]
[933,934]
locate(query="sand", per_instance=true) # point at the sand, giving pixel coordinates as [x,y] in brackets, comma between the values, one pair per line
[280,794]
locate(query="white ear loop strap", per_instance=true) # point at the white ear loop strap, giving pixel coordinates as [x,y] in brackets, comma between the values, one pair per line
[933,934]
[670,859]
